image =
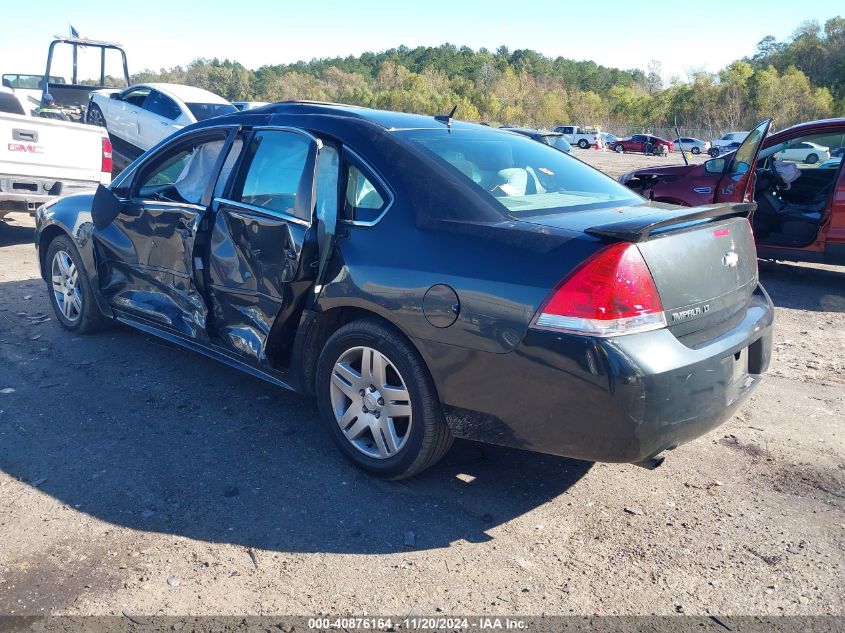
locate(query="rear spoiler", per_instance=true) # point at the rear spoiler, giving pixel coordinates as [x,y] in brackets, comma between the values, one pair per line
[640,228]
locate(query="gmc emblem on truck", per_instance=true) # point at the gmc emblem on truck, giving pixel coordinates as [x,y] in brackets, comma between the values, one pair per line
[686,315]
[25,147]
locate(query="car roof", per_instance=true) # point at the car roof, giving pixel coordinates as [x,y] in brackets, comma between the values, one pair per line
[188,94]
[386,119]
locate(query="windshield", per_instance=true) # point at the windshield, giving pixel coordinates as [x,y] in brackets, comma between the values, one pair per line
[203,111]
[523,176]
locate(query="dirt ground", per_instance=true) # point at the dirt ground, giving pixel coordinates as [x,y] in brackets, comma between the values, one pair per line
[136,477]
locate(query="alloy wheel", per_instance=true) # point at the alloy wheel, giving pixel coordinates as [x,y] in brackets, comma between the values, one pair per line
[95,117]
[371,402]
[65,278]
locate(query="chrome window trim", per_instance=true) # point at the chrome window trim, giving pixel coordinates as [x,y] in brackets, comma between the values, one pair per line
[272,213]
[164,203]
[380,181]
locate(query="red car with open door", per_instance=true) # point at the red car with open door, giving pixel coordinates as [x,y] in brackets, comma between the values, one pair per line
[643,144]
[800,212]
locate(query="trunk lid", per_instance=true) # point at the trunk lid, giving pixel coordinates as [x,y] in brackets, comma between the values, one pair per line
[702,259]
[704,274]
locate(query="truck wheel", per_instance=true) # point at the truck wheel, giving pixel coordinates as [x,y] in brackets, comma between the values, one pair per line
[95,116]
[619,149]
[811,159]
[378,401]
[583,144]
[70,289]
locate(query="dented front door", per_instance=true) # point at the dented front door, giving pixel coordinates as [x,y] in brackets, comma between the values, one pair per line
[263,252]
[148,249]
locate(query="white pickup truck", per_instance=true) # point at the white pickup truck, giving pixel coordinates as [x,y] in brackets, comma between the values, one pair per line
[583,137]
[41,159]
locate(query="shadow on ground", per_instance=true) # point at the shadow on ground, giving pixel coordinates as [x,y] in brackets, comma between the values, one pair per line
[787,284]
[141,434]
[12,234]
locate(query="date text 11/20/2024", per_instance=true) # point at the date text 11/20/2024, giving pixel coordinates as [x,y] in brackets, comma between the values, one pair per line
[417,623]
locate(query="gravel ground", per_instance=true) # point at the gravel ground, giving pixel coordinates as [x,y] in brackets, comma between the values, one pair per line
[142,478]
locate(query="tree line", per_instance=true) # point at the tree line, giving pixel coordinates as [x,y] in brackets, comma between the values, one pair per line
[796,80]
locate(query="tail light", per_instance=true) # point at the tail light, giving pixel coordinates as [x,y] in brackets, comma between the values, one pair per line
[106,165]
[611,293]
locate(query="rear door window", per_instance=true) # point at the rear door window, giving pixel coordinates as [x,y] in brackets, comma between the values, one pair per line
[162,105]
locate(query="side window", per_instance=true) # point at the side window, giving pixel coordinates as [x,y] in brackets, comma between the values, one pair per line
[163,106]
[136,97]
[363,201]
[181,175]
[276,167]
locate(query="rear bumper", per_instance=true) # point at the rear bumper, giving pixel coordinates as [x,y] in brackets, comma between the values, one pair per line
[613,400]
[19,193]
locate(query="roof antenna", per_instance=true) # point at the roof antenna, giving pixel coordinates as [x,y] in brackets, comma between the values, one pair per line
[447,118]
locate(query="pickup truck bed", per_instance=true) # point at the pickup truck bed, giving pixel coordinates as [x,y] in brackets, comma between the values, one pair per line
[41,159]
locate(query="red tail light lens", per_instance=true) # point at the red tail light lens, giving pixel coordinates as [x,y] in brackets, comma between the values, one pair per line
[611,293]
[107,160]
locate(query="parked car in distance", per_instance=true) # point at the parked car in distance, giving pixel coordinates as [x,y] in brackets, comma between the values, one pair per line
[554,139]
[693,145]
[583,137]
[715,151]
[800,212]
[249,105]
[608,139]
[727,139]
[140,116]
[804,152]
[41,159]
[643,144]
[357,254]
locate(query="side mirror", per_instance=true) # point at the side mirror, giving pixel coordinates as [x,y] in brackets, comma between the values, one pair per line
[105,207]
[113,95]
[715,166]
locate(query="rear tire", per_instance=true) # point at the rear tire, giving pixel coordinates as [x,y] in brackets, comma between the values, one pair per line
[396,429]
[695,150]
[583,144]
[69,289]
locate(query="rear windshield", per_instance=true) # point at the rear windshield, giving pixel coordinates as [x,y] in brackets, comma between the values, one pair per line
[203,111]
[29,82]
[523,176]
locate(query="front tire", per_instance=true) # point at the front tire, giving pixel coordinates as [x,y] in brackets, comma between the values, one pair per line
[811,159]
[69,289]
[619,149]
[95,116]
[714,152]
[378,401]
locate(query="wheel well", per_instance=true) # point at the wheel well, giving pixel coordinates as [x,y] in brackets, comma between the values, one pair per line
[326,324]
[47,235]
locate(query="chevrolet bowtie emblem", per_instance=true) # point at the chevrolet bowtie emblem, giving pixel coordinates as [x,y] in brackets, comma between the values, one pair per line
[730,259]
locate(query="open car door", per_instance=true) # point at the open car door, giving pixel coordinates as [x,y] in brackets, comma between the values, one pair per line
[264,254]
[735,185]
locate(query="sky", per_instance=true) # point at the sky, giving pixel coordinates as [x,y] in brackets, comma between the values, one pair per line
[682,35]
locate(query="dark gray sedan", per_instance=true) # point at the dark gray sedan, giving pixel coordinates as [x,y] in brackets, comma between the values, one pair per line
[424,279]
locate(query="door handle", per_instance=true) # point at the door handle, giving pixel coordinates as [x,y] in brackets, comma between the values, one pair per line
[25,135]
[164,122]
[703,190]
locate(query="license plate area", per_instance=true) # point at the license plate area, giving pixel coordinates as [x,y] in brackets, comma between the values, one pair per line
[739,365]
